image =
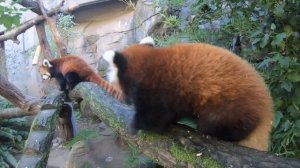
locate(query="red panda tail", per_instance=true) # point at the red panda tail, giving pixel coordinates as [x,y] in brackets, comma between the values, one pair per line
[116,93]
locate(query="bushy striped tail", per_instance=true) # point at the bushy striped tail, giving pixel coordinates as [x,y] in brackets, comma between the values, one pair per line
[116,93]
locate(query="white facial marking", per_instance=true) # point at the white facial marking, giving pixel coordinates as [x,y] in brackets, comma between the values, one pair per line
[45,77]
[112,70]
[147,40]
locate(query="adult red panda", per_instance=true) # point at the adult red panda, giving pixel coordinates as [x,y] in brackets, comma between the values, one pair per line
[224,93]
[71,70]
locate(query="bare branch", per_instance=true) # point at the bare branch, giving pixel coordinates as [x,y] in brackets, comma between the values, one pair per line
[52,24]
[138,26]
[32,5]
[40,29]
[14,112]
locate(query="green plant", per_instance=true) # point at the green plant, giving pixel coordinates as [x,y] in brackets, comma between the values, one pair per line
[130,5]
[171,21]
[13,133]
[10,14]
[82,135]
[134,159]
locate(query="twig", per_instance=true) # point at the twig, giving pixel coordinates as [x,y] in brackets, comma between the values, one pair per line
[138,26]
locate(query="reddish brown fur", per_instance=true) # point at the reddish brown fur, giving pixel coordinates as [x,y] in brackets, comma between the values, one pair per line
[76,64]
[224,88]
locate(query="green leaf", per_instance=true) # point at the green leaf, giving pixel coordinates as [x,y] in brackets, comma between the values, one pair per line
[278,39]
[279,10]
[297,124]
[264,41]
[296,96]
[288,30]
[286,125]
[256,40]
[284,62]
[6,21]
[287,85]
[278,117]
[264,63]
[188,122]
[294,77]
[273,26]
[8,157]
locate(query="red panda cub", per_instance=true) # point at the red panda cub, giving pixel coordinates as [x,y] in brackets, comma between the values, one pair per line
[71,70]
[224,93]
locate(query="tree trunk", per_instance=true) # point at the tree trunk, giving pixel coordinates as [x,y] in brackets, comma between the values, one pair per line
[179,147]
[3,70]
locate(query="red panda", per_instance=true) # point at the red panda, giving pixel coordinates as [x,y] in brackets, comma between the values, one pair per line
[71,70]
[224,93]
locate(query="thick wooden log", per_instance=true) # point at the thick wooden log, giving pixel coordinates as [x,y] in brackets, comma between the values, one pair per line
[179,147]
[38,144]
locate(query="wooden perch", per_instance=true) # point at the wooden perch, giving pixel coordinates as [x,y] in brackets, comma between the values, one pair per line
[179,147]
[15,96]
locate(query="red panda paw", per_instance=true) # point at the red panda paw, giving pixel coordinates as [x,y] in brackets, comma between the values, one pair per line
[118,95]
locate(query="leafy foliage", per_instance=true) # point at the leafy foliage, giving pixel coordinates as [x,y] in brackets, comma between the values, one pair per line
[10,14]
[13,133]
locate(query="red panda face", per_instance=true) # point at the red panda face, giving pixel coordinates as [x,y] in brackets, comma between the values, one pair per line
[44,70]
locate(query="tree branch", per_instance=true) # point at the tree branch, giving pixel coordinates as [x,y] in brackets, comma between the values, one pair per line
[15,96]
[14,112]
[177,148]
[40,29]
[32,5]
[52,24]
[12,34]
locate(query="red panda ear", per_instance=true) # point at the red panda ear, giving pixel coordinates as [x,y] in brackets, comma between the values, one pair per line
[148,41]
[46,63]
